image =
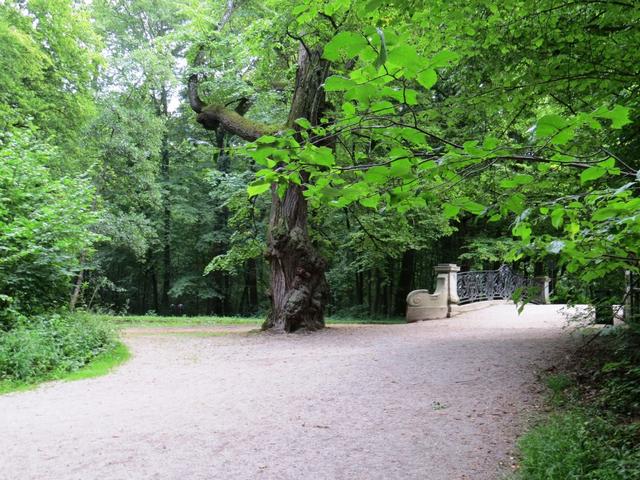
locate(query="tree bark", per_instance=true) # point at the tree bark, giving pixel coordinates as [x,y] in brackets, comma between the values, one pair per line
[77,288]
[166,208]
[299,290]
[405,282]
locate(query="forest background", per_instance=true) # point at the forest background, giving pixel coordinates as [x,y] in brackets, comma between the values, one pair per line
[114,198]
[402,133]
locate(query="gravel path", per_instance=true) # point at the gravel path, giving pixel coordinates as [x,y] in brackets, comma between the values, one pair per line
[433,400]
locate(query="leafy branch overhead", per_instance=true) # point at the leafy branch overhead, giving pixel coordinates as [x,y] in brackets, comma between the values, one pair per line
[402,143]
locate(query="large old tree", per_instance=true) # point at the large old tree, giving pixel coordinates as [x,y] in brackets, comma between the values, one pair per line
[298,290]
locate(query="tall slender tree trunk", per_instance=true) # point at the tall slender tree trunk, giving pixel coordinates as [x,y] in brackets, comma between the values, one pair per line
[77,288]
[251,286]
[166,208]
[359,288]
[154,287]
[299,291]
[405,281]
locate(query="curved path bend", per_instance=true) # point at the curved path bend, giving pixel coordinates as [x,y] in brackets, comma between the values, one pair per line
[434,400]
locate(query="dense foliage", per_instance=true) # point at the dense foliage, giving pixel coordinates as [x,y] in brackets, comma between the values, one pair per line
[44,227]
[477,132]
[51,345]
[593,433]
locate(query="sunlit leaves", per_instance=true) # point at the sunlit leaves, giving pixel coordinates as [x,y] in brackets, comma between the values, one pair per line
[345,44]
[619,115]
[592,173]
[258,188]
[427,78]
[516,180]
[453,208]
[337,83]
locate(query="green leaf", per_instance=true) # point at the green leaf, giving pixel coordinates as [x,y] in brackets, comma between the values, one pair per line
[618,115]
[443,59]
[592,173]
[401,168]
[470,206]
[516,180]
[383,107]
[373,5]
[604,214]
[258,188]
[471,147]
[490,143]
[427,78]
[371,201]
[450,211]
[523,231]
[336,83]
[376,175]
[322,156]
[344,44]
[515,203]
[557,216]
[267,139]
[550,125]
[399,152]
[406,57]
[304,123]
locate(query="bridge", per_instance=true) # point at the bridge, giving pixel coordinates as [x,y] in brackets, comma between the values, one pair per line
[458,292]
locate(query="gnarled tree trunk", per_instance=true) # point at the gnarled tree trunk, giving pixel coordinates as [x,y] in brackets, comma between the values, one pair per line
[299,290]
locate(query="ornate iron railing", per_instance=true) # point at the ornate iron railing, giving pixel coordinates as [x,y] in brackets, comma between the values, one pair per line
[476,286]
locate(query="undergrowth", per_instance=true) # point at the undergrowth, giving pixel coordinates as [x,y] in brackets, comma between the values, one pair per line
[50,346]
[594,432]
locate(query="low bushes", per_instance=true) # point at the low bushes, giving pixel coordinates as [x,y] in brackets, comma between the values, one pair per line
[581,444]
[595,432]
[50,345]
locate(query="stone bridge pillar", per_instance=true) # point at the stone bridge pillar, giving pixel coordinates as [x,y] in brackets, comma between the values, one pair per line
[423,305]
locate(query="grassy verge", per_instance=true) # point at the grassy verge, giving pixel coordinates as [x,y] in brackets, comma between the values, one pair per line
[593,432]
[100,365]
[159,321]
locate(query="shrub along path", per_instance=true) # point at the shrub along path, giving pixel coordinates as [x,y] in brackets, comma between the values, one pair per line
[434,400]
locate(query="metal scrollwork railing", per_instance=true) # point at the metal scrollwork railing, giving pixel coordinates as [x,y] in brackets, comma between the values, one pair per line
[476,286]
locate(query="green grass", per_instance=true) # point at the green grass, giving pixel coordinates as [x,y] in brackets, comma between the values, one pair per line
[159,321]
[366,321]
[593,432]
[193,333]
[100,365]
[580,443]
[560,387]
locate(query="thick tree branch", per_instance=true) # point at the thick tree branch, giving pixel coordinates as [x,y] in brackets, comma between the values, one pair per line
[213,117]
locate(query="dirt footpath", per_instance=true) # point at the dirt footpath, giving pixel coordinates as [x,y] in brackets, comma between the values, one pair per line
[434,400]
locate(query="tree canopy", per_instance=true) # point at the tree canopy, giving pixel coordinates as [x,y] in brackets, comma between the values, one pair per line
[353,144]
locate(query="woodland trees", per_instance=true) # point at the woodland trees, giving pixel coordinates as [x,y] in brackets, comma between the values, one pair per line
[375,139]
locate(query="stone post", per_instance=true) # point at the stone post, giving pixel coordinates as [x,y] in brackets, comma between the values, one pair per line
[423,305]
[451,270]
[543,285]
